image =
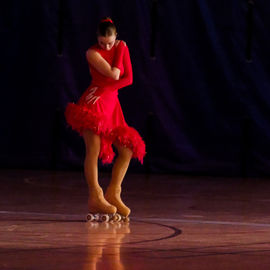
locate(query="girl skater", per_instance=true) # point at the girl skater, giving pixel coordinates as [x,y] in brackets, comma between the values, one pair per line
[98,118]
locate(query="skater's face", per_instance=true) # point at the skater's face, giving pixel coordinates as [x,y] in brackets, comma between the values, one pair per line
[107,42]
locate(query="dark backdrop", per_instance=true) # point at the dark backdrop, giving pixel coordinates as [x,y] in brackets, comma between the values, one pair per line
[201,90]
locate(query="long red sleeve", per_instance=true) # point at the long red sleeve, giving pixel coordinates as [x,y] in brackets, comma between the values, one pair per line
[108,84]
[127,78]
[118,57]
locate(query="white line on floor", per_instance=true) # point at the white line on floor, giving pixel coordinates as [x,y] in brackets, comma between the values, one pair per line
[192,216]
[212,222]
[43,214]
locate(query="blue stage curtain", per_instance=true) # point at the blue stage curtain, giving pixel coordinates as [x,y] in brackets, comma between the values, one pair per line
[201,91]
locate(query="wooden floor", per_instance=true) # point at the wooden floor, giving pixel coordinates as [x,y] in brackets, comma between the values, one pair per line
[176,222]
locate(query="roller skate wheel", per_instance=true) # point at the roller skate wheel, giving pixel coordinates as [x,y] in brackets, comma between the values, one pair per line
[114,218]
[104,218]
[126,219]
[90,217]
[117,218]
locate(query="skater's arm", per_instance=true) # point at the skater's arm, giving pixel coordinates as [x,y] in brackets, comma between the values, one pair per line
[127,77]
[119,53]
[125,80]
[101,65]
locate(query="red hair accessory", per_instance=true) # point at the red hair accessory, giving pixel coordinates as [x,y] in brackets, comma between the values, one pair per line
[107,20]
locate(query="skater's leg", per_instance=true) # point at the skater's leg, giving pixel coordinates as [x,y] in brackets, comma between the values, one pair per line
[96,203]
[118,173]
[92,149]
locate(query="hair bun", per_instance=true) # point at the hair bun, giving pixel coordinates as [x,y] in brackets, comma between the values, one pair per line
[106,27]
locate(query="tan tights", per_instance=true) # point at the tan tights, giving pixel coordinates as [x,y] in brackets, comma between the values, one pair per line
[112,202]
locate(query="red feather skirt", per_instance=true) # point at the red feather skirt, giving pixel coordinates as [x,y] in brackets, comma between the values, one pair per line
[105,118]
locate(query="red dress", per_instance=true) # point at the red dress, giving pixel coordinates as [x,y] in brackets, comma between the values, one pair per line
[105,116]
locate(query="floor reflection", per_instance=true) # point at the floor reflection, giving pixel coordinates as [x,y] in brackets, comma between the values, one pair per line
[104,245]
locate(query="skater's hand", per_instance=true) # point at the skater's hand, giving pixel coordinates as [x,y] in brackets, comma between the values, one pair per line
[92,97]
[118,41]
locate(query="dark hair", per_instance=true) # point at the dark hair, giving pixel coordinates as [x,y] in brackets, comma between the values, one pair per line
[106,27]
